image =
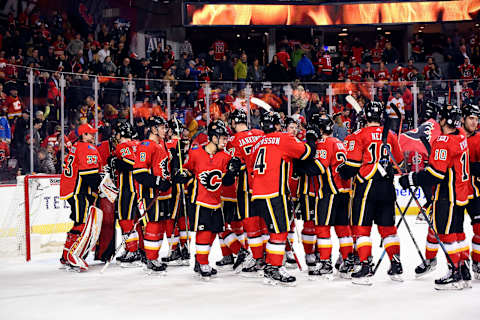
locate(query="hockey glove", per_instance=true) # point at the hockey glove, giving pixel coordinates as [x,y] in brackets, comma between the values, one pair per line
[408,180]
[162,184]
[181,177]
[234,166]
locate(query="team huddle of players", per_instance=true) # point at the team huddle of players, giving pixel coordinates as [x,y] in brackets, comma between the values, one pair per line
[248,188]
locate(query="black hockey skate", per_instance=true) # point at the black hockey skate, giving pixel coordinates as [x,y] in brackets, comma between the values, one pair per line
[311,261]
[476,270]
[131,260]
[339,262]
[395,272]
[225,261]
[346,268]
[243,256]
[323,269]
[451,281]
[362,275]
[466,275]
[185,256]
[206,272]
[290,262]
[253,268]
[174,258]
[274,275]
[156,267]
[196,269]
[122,257]
[424,269]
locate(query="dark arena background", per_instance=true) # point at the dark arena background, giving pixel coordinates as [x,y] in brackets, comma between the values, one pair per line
[106,69]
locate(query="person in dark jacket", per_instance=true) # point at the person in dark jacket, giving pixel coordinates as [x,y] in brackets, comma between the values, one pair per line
[275,71]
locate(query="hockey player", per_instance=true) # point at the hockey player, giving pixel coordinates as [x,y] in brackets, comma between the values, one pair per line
[123,162]
[151,172]
[471,114]
[78,185]
[176,226]
[269,159]
[448,171]
[332,207]
[212,167]
[241,147]
[374,195]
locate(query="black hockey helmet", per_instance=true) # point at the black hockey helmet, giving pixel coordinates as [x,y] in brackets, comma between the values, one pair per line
[373,111]
[217,129]
[176,126]
[470,110]
[452,114]
[326,124]
[239,116]
[124,129]
[288,121]
[431,109]
[157,121]
[268,121]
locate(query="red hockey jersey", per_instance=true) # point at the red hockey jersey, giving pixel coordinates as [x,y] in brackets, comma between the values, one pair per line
[126,152]
[269,159]
[208,171]
[473,143]
[331,153]
[83,159]
[366,150]
[450,162]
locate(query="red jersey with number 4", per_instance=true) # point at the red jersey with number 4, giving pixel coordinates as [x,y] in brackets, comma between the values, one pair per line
[208,171]
[126,152]
[269,159]
[450,162]
[331,153]
[474,140]
[83,159]
[240,146]
[366,151]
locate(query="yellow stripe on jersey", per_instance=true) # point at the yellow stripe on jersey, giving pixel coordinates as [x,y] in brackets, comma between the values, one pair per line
[364,201]
[435,173]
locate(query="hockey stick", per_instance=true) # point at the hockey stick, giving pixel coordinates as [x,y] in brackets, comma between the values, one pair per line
[125,236]
[422,211]
[187,224]
[399,115]
[355,105]
[291,247]
[261,104]
[402,218]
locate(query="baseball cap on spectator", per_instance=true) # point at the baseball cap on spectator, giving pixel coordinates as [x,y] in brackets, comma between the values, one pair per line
[86,128]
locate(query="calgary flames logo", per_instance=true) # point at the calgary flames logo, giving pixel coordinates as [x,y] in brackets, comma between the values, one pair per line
[164,168]
[211,180]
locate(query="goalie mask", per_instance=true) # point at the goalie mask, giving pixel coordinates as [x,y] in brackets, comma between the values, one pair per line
[452,115]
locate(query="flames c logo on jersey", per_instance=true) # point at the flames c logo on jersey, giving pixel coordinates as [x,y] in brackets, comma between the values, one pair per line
[164,167]
[211,180]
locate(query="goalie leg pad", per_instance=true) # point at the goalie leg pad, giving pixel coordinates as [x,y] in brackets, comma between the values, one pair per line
[87,239]
[72,236]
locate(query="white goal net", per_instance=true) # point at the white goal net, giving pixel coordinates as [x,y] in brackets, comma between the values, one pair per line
[33,219]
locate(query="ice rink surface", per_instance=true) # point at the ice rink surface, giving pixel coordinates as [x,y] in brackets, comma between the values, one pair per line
[39,290]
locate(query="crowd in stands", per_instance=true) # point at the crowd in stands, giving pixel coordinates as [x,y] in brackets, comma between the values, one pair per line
[51,47]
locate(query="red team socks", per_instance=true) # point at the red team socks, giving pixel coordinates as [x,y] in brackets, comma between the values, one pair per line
[309,237]
[463,247]
[344,235]
[237,228]
[276,248]
[391,241]
[476,243]
[449,241]
[230,240]
[153,239]
[203,242]
[431,247]
[131,242]
[183,231]
[364,243]
[324,242]
[254,236]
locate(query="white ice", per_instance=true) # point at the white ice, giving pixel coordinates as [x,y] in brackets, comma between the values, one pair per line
[39,290]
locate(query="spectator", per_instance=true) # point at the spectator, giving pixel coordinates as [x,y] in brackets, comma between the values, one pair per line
[297,55]
[45,162]
[255,72]
[104,52]
[357,50]
[392,116]
[125,69]
[5,133]
[240,69]
[339,129]
[108,67]
[226,71]
[275,71]
[390,54]
[75,46]
[186,47]
[305,69]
